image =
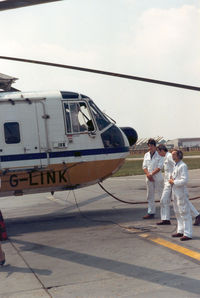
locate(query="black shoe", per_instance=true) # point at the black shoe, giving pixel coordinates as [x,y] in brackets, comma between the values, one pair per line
[148,216]
[164,222]
[2,262]
[197,221]
[177,235]
[185,238]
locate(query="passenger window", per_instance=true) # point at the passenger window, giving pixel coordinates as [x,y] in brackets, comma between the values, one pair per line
[77,117]
[11,132]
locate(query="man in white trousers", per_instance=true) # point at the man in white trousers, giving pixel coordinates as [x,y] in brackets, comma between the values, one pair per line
[178,181]
[169,165]
[152,165]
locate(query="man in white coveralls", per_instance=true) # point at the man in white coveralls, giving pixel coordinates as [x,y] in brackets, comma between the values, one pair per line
[169,165]
[181,205]
[152,165]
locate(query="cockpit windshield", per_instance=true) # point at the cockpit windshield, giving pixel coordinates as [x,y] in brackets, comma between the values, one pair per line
[101,120]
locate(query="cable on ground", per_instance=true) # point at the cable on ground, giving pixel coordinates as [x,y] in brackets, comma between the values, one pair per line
[131,202]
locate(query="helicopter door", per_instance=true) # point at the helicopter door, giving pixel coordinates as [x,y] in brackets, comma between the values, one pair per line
[20,146]
[42,132]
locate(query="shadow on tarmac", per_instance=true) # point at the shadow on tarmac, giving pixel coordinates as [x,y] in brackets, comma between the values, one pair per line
[181,282]
[13,269]
[55,221]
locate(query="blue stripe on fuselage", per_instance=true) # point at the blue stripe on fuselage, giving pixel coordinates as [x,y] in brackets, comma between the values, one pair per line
[57,154]
[19,157]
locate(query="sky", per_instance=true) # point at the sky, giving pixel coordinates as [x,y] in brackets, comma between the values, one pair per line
[148,38]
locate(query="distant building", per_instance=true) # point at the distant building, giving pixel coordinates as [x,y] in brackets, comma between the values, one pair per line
[142,143]
[184,143]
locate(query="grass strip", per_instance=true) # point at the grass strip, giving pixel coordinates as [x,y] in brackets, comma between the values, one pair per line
[134,167]
[185,153]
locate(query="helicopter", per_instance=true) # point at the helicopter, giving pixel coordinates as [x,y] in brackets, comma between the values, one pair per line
[71,143]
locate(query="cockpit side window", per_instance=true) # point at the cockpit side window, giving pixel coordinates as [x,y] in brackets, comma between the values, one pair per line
[67,118]
[100,118]
[78,119]
[74,110]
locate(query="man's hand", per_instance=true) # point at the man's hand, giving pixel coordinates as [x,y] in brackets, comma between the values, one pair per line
[150,177]
[171,181]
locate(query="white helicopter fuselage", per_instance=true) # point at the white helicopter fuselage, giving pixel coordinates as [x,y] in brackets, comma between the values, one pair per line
[55,141]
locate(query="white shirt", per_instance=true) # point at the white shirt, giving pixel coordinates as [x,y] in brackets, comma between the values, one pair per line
[153,163]
[179,188]
[180,174]
[169,165]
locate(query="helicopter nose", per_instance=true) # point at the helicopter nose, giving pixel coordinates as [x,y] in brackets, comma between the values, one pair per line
[131,135]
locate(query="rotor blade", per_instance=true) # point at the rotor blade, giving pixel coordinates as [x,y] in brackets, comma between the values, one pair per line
[11,4]
[113,74]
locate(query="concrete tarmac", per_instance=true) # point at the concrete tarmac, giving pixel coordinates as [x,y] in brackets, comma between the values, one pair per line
[83,243]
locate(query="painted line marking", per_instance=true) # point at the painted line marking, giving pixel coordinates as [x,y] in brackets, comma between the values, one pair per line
[185,251]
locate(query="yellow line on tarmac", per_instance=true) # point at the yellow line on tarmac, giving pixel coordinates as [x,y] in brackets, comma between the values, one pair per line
[172,246]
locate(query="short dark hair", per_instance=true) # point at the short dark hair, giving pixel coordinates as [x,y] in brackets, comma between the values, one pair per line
[179,153]
[151,142]
[162,147]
